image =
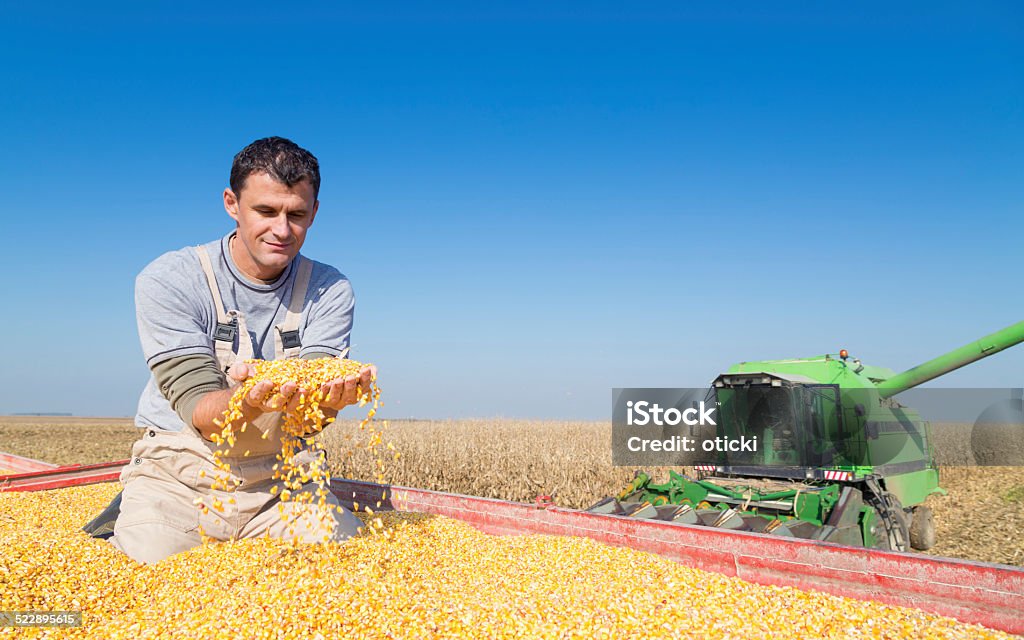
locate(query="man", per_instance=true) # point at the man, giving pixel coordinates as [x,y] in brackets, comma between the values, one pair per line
[201,312]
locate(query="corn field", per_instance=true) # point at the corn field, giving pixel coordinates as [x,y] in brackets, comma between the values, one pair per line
[504,459]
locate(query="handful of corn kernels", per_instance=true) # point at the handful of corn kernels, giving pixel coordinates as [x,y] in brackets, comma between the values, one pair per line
[311,376]
[304,419]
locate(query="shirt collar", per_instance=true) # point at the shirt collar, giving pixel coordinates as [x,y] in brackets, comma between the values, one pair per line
[237,273]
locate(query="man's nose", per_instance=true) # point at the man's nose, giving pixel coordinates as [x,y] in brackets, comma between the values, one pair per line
[281,228]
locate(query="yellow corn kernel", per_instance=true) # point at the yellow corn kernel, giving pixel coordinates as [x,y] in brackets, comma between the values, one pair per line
[300,422]
[410,575]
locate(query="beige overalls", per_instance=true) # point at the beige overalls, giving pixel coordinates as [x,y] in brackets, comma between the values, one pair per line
[169,470]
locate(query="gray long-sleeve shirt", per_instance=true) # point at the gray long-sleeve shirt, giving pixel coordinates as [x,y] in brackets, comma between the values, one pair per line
[176,316]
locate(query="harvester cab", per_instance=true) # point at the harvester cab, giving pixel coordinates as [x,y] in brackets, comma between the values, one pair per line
[789,417]
[837,458]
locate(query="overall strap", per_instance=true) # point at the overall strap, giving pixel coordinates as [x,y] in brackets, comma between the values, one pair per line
[286,334]
[229,323]
[204,260]
[245,349]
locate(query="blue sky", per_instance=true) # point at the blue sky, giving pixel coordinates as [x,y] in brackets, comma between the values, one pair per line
[535,202]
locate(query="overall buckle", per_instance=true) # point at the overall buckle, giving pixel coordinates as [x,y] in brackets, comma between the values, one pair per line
[290,339]
[226,332]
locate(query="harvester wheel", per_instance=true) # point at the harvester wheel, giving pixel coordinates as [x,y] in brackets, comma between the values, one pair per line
[900,535]
[922,528]
[893,518]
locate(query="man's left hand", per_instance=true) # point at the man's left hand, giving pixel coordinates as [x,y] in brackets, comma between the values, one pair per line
[341,392]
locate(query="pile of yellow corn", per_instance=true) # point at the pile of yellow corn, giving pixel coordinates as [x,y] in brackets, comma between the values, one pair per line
[299,428]
[431,577]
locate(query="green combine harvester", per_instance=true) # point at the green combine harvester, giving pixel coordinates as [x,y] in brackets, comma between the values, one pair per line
[839,460]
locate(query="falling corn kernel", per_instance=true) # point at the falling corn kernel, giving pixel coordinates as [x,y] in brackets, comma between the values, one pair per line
[300,425]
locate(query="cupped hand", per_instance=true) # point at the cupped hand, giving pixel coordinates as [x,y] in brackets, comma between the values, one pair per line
[262,398]
[342,392]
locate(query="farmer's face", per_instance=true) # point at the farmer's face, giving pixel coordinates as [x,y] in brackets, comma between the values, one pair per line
[272,222]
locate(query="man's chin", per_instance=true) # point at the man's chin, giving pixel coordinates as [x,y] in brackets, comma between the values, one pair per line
[276,262]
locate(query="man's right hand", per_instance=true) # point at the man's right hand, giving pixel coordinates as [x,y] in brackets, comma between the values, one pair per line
[260,398]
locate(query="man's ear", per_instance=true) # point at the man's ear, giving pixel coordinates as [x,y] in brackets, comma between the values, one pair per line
[231,204]
[312,217]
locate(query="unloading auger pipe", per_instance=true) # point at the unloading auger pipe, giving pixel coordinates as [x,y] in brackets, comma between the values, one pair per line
[983,348]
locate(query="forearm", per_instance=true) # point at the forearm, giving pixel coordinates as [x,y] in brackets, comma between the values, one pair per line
[212,406]
[185,381]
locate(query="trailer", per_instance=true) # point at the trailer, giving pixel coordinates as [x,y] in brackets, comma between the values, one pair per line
[971,592]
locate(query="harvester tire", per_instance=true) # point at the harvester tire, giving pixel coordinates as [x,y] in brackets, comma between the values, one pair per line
[900,537]
[922,528]
[893,518]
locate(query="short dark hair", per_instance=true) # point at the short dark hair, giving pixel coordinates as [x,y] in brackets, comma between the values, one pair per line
[280,158]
